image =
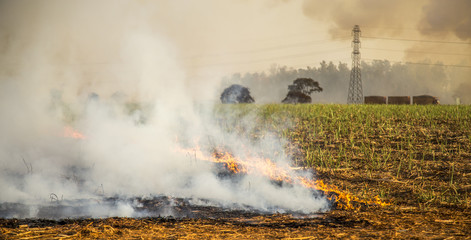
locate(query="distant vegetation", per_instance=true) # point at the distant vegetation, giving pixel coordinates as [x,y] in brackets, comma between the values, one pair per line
[380,78]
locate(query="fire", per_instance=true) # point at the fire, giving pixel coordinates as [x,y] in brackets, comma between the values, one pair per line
[251,165]
[230,162]
[69,132]
[266,167]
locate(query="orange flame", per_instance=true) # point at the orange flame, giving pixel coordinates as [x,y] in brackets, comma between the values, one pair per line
[231,163]
[266,167]
[69,132]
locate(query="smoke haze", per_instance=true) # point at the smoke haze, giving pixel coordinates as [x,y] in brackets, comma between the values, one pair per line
[113,70]
[132,76]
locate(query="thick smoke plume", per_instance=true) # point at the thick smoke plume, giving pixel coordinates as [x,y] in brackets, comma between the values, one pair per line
[441,28]
[430,17]
[95,102]
[342,15]
[447,17]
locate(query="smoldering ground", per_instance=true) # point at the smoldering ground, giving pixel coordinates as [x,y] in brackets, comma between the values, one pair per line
[62,63]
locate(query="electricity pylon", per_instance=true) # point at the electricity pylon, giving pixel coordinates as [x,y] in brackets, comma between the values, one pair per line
[355,90]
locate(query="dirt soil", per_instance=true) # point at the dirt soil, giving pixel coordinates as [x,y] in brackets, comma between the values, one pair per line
[403,218]
[374,222]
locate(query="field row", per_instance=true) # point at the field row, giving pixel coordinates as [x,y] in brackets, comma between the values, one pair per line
[402,153]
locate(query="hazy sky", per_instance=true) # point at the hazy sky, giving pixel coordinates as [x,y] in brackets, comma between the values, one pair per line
[211,38]
[249,35]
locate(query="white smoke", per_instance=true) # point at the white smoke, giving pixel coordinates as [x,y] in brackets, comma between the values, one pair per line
[83,65]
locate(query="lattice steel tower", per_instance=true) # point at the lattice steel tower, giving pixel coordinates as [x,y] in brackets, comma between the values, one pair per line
[355,90]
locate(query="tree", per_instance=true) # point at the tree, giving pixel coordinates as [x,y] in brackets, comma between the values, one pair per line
[305,85]
[300,90]
[236,94]
[297,97]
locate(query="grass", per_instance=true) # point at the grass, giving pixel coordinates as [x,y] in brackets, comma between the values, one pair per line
[408,154]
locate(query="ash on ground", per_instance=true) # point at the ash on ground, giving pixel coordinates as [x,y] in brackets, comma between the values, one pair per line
[156,206]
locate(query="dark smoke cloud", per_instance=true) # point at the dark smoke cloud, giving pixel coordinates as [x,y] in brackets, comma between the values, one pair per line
[342,15]
[444,22]
[445,17]
[436,18]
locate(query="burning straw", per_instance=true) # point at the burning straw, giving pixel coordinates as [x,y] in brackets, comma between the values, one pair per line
[280,175]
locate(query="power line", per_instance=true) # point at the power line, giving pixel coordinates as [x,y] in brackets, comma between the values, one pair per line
[418,63]
[416,40]
[395,50]
[278,47]
[286,35]
[388,28]
[274,58]
[295,66]
[339,60]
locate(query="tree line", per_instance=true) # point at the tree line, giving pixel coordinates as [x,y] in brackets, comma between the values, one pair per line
[379,77]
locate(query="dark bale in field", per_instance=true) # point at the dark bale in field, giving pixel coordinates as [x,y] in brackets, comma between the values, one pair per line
[300,91]
[399,100]
[425,100]
[236,94]
[375,100]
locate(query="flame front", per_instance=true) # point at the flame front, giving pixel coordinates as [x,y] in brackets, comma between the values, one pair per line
[266,167]
[230,162]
